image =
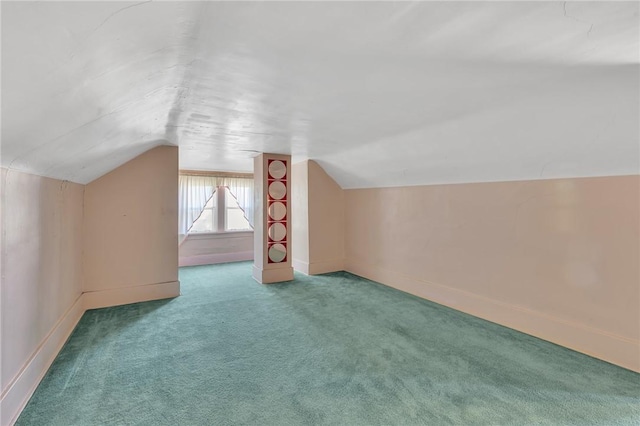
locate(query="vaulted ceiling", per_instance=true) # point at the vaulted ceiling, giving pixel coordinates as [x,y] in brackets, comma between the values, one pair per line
[379,93]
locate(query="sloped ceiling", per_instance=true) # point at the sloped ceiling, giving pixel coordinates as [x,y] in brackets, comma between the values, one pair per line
[379,93]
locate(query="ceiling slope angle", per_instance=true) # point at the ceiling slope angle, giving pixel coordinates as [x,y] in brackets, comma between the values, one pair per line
[378,93]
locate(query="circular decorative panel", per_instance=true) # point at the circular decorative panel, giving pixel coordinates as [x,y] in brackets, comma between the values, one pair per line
[277,253]
[277,169]
[277,211]
[277,190]
[277,231]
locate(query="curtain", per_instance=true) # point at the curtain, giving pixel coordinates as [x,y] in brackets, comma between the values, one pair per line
[242,190]
[195,191]
[193,194]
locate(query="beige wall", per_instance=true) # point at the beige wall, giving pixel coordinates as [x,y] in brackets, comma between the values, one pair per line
[318,220]
[130,224]
[326,222]
[554,258]
[68,247]
[41,273]
[300,216]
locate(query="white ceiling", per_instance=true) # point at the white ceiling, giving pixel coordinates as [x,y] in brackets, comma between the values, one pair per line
[379,93]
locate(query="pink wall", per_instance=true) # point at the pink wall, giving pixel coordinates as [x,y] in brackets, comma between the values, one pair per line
[41,272]
[130,224]
[326,222]
[554,258]
[207,249]
[300,216]
[318,220]
[68,247]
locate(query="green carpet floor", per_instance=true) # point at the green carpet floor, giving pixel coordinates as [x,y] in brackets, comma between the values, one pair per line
[333,349]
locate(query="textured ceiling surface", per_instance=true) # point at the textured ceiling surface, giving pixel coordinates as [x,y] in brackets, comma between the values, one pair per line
[379,93]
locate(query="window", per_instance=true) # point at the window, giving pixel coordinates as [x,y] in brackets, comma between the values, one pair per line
[221,214]
[208,219]
[234,219]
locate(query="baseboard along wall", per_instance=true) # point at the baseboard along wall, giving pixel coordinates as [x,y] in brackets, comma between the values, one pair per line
[21,388]
[609,347]
[588,340]
[127,295]
[316,268]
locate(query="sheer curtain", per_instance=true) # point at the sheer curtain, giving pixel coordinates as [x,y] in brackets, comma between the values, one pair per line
[242,190]
[195,191]
[193,194]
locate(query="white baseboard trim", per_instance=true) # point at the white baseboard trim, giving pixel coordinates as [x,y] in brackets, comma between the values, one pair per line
[326,266]
[300,266]
[316,268]
[594,342]
[127,295]
[273,275]
[211,259]
[22,387]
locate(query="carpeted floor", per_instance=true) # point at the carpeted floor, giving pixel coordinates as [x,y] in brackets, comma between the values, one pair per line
[333,349]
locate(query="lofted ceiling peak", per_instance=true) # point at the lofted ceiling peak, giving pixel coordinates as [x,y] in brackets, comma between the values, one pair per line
[379,93]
